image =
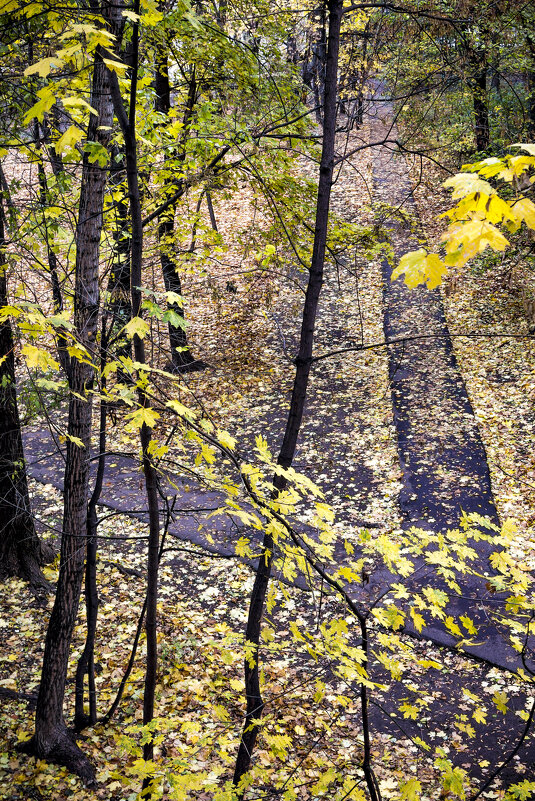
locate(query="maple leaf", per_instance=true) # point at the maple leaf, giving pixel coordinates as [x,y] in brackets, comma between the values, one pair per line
[226,440]
[467,183]
[500,700]
[142,416]
[69,139]
[420,267]
[524,209]
[43,67]
[137,326]
[78,102]
[411,790]
[38,358]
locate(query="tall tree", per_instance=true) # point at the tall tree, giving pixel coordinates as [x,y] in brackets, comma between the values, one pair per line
[182,361]
[52,739]
[303,363]
[21,552]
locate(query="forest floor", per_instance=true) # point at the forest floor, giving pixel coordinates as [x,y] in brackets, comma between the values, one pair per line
[351,447]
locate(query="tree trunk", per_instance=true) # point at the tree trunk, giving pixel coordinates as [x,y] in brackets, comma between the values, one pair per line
[303,363]
[182,360]
[20,550]
[44,199]
[531,106]
[120,306]
[480,101]
[128,127]
[52,740]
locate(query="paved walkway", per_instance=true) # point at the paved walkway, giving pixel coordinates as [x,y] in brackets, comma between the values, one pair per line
[442,456]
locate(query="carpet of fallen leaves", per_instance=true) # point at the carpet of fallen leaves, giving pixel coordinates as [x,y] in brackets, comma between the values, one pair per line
[312,717]
[243,323]
[493,296]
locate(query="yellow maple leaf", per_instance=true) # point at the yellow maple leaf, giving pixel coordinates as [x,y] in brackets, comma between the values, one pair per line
[43,67]
[137,326]
[420,267]
[70,139]
[142,416]
[38,358]
[524,209]
[464,240]
[468,183]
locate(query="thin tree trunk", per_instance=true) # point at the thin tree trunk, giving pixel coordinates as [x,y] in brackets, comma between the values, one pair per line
[120,305]
[531,105]
[57,166]
[255,704]
[52,740]
[86,662]
[182,361]
[480,101]
[20,549]
[128,127]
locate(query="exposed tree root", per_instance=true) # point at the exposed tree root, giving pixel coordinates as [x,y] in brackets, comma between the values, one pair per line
[64,752]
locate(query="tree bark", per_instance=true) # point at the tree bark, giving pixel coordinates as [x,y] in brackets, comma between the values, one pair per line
[255,704]
[182,361]
[128,127]
[52,740]
[120,305]
[21,553]
[480,100]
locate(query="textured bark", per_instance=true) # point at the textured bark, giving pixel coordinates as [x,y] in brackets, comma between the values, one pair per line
[480,100]
[182,360]
[20,548]
[52,740]
[120,306]
[128,127]
[531,104]
[57,166]
[86,662]
[255,704]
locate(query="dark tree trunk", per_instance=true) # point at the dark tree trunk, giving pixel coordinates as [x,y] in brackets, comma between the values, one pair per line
[182,360]
[128,127]
[362,77]
[44,199]
[531,105]
[52,740]
[255,704]
[480,101]
[86,662]
[530,76]
[21,553]
[120,305]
